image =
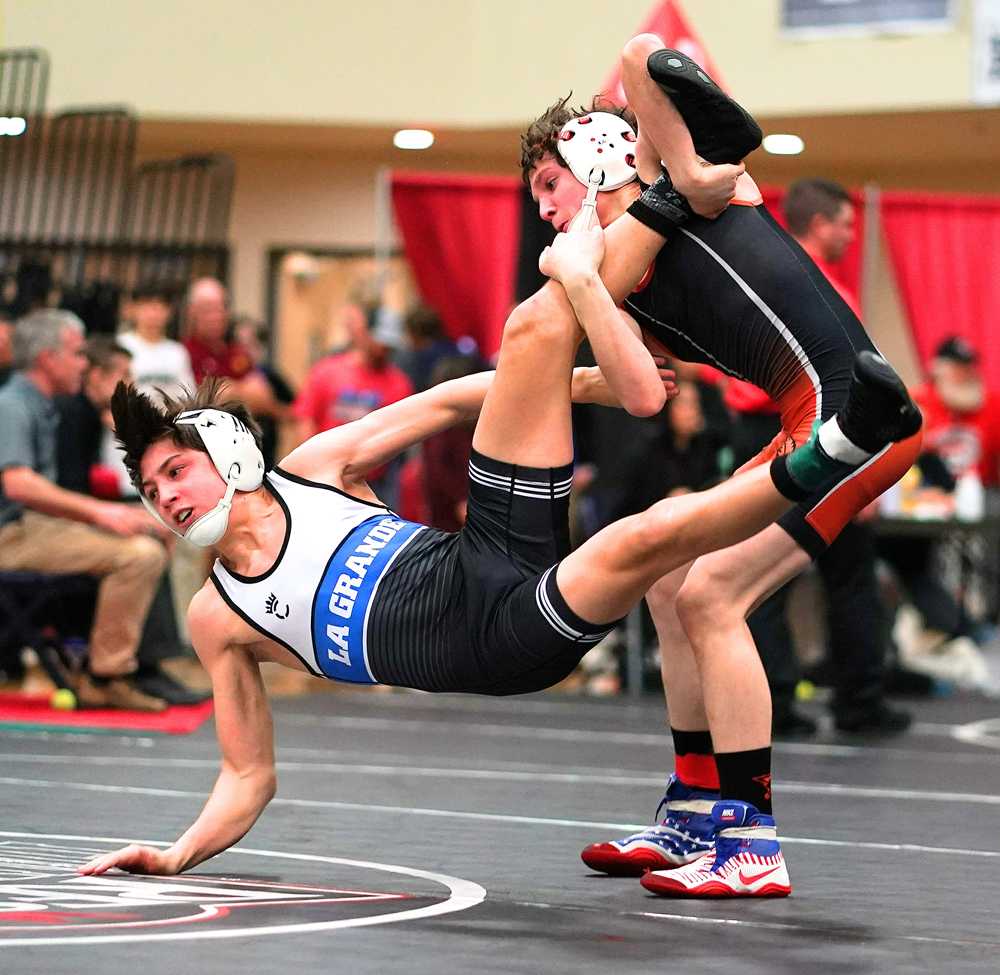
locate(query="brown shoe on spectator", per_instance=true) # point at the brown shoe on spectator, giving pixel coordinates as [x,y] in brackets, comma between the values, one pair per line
[116,692]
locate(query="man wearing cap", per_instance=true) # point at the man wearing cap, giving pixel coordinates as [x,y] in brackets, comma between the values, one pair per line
[961,415]
[961,443]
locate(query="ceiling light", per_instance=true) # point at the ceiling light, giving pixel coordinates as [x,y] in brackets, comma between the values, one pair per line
[783,144]
[413,139]
[12,125]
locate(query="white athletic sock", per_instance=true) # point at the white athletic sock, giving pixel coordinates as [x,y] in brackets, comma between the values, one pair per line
[837,446]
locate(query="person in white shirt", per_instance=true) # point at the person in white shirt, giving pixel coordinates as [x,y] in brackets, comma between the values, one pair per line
[160,363]
[157,362]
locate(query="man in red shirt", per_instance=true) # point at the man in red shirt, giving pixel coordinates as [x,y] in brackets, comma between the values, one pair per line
[962,423]
[213,352]
[351,384]
[206,322]
[961,416]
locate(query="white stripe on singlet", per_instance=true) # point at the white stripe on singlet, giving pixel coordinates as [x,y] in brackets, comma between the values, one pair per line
[555,620]
[541,490]
[762,306]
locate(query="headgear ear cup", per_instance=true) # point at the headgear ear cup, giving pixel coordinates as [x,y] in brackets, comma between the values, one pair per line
[600,141]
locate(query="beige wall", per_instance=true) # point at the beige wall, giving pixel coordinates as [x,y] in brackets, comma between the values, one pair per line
[448,62]
[305,198]
[280,200]
[475,65]
[324,202]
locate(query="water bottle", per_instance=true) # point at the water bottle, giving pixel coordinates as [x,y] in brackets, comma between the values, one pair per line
[970,498]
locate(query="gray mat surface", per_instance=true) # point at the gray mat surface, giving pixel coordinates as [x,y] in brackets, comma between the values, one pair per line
[422,834]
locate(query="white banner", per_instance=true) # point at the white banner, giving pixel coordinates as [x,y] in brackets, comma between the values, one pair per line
[986,53]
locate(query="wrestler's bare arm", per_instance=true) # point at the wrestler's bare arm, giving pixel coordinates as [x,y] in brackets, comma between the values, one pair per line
[345,454]
[573,260]
[246,782]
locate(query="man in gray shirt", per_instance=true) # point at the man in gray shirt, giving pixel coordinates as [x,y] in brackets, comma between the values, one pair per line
[45,528]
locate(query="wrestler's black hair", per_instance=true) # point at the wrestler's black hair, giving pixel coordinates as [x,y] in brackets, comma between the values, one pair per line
[540,138]
[140,421]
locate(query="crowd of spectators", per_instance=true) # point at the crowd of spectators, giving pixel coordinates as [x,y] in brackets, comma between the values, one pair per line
[50,529]
[67,506]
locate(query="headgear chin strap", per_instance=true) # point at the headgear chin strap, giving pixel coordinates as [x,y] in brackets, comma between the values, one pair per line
[599,145]
[237,458]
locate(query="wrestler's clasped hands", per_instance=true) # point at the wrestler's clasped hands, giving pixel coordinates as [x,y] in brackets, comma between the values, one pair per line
[573,255]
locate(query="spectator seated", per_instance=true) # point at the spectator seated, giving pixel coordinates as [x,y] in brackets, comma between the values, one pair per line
[33,613]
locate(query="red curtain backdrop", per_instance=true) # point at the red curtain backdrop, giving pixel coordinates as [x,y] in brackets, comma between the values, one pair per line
[945,251]
[847,271]
[461,235]
[668,22]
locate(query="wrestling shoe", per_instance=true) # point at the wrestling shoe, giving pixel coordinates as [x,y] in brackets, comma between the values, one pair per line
[878,409]
[114,692]
[157,683]
[747,860]
[722,131]
[685,833]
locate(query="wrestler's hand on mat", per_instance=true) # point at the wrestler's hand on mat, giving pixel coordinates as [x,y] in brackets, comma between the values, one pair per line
[132,859]
[709,189]
[590,386]
[573,255]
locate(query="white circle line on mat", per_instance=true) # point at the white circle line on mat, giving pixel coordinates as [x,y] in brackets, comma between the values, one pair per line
[463,894]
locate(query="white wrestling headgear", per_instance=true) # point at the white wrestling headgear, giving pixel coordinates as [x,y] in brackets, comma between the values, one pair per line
[234,451]
[599,145]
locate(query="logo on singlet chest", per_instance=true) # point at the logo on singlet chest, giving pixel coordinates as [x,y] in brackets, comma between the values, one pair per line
[345,593]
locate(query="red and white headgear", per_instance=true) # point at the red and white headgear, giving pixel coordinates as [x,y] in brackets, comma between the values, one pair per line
[599,143]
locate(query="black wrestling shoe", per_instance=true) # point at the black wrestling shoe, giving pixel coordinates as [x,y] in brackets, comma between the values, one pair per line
[158,683]
[788,722]
[722,131]
[872,719]
[878,409]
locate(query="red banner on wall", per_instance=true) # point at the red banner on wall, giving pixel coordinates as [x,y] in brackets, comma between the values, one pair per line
[461,236]
[668,22]
[944,252]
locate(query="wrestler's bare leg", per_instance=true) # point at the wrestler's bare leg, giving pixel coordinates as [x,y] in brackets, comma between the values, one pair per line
[718,594]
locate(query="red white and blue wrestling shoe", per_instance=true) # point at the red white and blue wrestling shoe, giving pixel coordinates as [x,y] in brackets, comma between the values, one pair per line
[685,833]
[747,860]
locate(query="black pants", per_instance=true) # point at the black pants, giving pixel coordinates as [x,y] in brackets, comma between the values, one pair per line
[912,560]
[856,623]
